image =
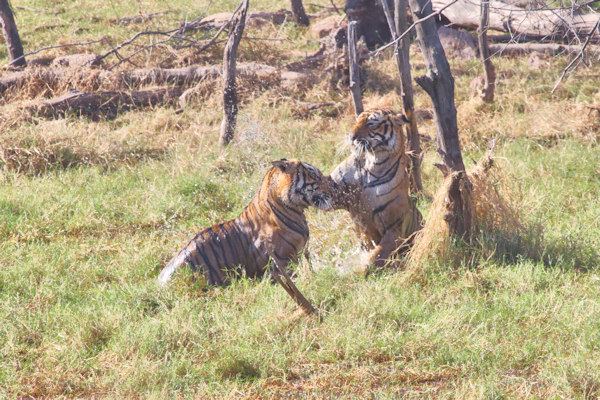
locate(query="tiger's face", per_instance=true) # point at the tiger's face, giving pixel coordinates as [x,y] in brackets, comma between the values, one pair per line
[303,185]
[377,131]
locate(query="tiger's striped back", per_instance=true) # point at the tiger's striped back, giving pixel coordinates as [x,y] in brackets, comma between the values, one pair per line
[275,214]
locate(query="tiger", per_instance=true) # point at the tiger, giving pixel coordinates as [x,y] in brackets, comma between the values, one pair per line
[372,184]
[273,226]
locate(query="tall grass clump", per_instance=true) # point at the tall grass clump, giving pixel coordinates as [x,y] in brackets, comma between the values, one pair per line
[495,222]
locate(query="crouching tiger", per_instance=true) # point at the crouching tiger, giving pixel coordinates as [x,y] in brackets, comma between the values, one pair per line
[272,226]
[372,184]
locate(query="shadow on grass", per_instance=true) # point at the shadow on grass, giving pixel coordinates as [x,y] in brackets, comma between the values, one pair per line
[565,252]
[239,368]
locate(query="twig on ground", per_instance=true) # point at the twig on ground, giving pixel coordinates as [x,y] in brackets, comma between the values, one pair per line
[265,39]
[134,38]
[150,46]
[281,27]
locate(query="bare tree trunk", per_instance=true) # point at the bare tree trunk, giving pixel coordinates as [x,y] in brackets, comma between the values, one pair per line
[439,85]
[487,93]
[354,69]
[299,13]
[230,100]
[401,51]
[11,35]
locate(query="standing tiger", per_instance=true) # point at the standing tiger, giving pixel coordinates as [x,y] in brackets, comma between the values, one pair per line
[372,184]
[273,226]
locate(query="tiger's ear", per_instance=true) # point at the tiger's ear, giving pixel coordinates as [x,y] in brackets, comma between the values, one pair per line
[281,164]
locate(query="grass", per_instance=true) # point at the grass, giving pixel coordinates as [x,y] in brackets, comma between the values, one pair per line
[90,211]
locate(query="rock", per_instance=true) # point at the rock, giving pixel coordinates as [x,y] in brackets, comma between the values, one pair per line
[537,61]
[325,26]
[295,80]
[258,71]
[76,60]
[253,19]
[458,44]
[423,114]
[476,85]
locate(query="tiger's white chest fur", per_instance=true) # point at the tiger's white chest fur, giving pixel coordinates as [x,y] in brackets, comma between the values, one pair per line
[374,189]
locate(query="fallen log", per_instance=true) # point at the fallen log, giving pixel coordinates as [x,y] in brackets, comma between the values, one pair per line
[174,76]
[513,49]
[54,78]
[105,103]
[547,23]
[312,61]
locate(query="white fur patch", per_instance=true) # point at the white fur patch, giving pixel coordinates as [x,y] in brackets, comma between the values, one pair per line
[370,160]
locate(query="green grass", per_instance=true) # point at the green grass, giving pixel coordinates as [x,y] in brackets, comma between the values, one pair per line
[91,211]
[82,315]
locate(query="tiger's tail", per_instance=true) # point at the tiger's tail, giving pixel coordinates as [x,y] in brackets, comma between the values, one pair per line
[169,269]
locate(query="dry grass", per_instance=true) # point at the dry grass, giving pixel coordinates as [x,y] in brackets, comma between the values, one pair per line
[492,211]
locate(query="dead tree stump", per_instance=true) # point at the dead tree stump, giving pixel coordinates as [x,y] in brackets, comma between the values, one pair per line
[439,85]
[11,35]
[354,69]
[230,100]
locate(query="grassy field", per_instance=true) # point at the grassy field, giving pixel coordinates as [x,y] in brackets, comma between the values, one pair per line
[90,211]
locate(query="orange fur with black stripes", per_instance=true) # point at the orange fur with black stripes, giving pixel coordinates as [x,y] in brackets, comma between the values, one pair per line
[372,184]
[272,224]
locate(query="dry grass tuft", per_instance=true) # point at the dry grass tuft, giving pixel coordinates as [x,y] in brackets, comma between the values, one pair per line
[492,212]
[491,209]
[433,241]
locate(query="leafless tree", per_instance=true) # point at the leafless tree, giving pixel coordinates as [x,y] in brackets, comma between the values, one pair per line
[230,100]
[299,13]
[439,85]
[11,34]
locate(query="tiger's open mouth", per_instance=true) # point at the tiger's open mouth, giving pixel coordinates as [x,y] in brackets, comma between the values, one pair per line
[362,145]
[322,202]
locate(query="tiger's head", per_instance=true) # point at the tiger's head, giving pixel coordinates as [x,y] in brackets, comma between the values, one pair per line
[299,184]
[378,131]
